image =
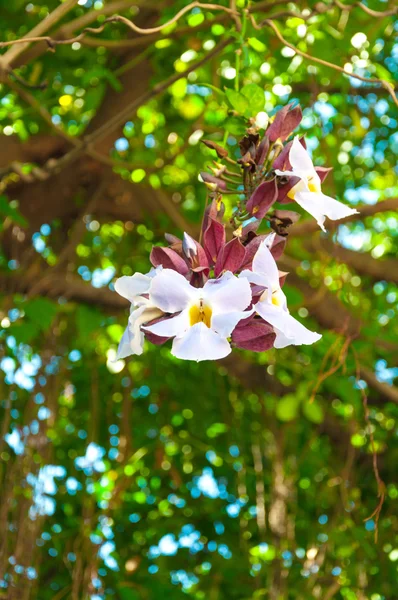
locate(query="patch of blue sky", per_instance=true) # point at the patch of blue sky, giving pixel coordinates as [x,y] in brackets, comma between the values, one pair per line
[92,460]
[186,580]
[206,484]
[200,90]
[102,277]
[122,144]
[44,486]
[353,240]
[362,194]
[15,441]
[105,552]
[325,110]
[72,485]
[384,373]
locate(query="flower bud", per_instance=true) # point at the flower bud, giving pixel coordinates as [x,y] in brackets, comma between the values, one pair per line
[189,246]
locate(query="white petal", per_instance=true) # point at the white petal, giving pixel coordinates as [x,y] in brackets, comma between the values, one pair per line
[256,278]
[124,348]
[131,286]
[336,210]
[227,294]
[133,339]
[171,327]
[200,343]
[264,262]
[286,173]
[310,202]
[321,206]
[171,292]
[300,159]
[269,240]
[286,326]
[224,324]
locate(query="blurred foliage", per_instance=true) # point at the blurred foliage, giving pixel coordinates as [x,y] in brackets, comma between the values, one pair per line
[156,478]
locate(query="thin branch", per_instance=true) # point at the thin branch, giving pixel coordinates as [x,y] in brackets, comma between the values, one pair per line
[366,9]
[120,118]
[381,487]
[385,84]
[52,42]
[37,31]
[39,86]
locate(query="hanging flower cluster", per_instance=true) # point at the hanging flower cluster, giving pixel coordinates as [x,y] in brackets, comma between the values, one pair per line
[207,297]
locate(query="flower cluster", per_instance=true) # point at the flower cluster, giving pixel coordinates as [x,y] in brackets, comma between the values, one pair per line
[212,295]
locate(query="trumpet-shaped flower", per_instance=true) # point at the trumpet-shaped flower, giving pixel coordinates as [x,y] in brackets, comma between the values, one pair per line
[134,289]
[307,192]
[272,306]
[206,316]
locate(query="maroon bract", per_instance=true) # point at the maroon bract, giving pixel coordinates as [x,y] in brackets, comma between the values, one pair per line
[262,199]
[285,122]
[213,239]
[230,257]
[168,259]
[253,334]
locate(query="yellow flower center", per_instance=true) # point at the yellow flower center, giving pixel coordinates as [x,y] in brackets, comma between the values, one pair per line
[313,187]
[200,314]
[275,300]
[300,187]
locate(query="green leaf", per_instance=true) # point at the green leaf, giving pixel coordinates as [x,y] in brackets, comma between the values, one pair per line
[8,210]
[293,295]
[383,73]
[235,126]
[216,429]
[313,411]
[257,45]
[88,319]
[237,101]
[41,312]
[101,74]
[179,88]
[255,96]
[287,408]
[24,333]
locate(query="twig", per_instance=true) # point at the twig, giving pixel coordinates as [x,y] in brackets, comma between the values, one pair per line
[335,367]
[381,487]
[51,42]
[388,86]
[366,9]
[120,118]
[40,86]
[40,28]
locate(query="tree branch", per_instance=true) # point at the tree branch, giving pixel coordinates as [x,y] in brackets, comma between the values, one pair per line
[389,392]
[363,263]
[53,42]
[57,14]
[385,84]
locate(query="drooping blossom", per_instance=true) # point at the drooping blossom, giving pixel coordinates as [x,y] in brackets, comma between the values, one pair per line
[136,288]
[272,306]
[203,317]
[307,192]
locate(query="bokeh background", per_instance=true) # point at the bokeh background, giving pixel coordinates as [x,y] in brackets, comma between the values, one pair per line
[154,478]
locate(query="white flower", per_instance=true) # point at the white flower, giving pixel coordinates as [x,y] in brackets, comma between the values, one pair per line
[142,310]
[307,192]
[207,316]
[272,306]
